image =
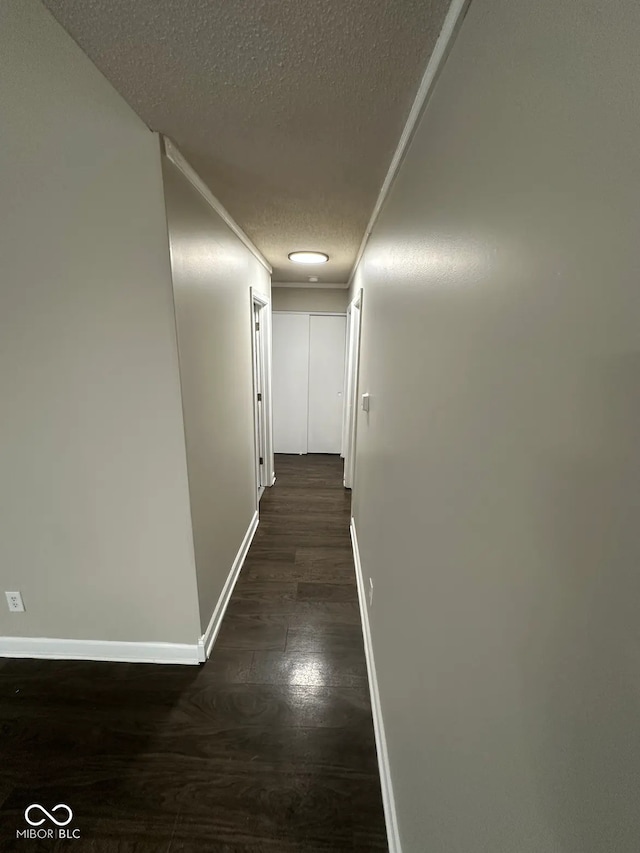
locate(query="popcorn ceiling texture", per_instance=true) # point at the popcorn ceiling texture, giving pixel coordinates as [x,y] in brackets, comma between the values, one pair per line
[290,110]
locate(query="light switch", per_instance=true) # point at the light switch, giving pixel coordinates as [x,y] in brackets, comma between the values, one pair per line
[365,402]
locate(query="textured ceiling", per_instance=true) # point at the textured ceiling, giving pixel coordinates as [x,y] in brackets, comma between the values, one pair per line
[290,110]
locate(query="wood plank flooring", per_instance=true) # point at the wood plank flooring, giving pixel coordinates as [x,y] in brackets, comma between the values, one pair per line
[266,748]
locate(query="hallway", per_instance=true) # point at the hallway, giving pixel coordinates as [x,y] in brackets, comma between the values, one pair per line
[268,746]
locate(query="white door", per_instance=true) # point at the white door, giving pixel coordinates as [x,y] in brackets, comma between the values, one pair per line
[290,377]
[259,401]
[326,383]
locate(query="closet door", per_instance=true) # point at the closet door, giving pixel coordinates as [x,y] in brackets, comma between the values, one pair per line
[327,336]
[290,381]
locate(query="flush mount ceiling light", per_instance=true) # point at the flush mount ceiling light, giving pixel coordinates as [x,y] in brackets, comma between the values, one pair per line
[308,257]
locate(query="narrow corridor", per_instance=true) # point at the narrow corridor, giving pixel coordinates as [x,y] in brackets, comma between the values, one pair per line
[268,746]
[292,633]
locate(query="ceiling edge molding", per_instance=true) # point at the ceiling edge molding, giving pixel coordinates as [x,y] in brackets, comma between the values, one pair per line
[450,28]
[173,154]
[312,285]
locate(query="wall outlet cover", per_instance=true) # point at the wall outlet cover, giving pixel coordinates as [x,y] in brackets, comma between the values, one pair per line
[15,602]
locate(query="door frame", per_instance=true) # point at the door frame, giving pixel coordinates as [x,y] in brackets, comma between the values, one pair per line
[261,375]
[352,378]
[315,313]
[310,314]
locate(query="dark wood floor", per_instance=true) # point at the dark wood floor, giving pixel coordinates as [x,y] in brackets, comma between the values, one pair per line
[267,747]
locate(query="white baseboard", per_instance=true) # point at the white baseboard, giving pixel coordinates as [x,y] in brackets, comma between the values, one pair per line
[103,650]
[205,644]
[126,652]
[388,801]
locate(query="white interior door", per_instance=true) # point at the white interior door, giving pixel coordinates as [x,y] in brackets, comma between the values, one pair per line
[290,377]
[259,401]
[326,383]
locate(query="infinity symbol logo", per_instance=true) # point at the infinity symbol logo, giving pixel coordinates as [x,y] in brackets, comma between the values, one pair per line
[48,814]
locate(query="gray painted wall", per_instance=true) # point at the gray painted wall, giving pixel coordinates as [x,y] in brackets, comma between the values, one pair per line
[94,512]
[310,299]
[498,471]
[212,275]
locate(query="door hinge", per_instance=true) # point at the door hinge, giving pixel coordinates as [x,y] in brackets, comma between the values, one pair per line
[257,327]
[259,397]
[261,461]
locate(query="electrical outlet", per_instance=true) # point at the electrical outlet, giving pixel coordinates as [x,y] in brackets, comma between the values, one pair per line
[15,602]
[370,592]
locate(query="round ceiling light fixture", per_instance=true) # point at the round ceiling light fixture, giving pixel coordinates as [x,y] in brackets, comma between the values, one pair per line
[308,257]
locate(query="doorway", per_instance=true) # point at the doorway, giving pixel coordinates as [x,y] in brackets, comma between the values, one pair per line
[261,355]
[308,382]
[351,388]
